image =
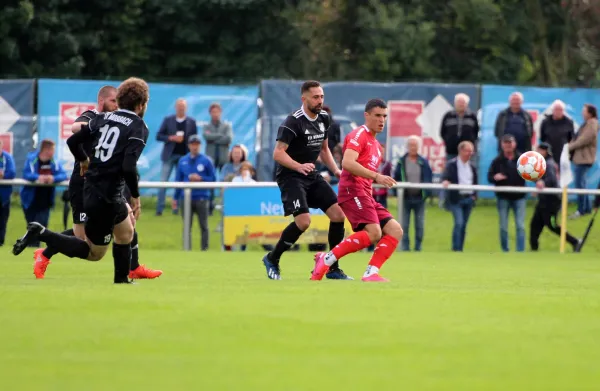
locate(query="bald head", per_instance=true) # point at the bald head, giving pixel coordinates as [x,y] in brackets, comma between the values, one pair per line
[180,107]
[107,99]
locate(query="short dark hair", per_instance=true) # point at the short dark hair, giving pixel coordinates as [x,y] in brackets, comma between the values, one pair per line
[46,143]
[375,103]
[307,85]
[591,109]
[132,93]
[214,105]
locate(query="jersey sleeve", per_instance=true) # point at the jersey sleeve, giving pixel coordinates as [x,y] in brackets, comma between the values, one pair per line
[288,130]
[139,131]
[357,142]
[86,116]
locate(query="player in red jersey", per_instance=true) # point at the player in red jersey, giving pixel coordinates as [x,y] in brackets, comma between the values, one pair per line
[371,222]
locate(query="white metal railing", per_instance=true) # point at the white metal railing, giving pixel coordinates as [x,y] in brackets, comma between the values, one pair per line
[189,186]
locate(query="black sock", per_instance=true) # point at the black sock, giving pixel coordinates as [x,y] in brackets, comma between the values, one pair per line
[289,236]
[70,246]
[49,252]
[122,259]
[336,235]
[134,252]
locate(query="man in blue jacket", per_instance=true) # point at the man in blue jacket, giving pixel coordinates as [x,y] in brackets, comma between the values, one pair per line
[196,167]
[7,171]
[40,167]
[413,168]
[174,132]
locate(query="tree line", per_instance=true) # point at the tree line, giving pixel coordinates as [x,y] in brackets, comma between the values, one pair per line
[538,42]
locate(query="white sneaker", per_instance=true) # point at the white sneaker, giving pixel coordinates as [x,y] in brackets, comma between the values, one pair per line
[575,215]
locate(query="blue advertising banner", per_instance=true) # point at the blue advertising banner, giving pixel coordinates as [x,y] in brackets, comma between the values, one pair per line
[256,216]
[16,119]
[414,109]
[537,102]
[61,101]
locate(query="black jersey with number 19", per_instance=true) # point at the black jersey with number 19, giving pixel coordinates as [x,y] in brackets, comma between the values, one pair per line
[304,136]
[118,140]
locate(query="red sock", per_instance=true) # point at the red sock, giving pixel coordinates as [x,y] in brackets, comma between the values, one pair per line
[384,250]
[353,243]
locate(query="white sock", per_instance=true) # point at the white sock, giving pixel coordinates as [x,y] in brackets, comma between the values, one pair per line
[371,270]
[329,259]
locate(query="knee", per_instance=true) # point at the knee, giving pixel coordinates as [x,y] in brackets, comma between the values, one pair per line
[95,255]
[374,232]
[336,214]
[303,221]
[124,236]
[394,229]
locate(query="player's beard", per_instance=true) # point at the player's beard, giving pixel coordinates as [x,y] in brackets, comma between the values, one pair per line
[316,109]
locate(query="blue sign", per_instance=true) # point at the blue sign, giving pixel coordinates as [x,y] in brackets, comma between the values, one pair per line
[256,201]
[537,102]
[61,101]
[16,119]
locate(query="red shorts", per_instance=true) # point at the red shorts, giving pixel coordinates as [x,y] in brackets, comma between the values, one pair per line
[362,210]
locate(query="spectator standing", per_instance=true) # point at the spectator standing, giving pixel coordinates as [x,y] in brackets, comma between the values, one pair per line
[503,172]
[334,133]
[237,156]
[218,135]
[40,167]
[7,171]
[175,132]
[413,168]
[385,168]
[460,202]
[196,167]
[548,205]
[516,121]
[557,129]
[583,155]
[459,125]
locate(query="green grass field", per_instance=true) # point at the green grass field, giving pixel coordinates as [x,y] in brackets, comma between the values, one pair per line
[481,320]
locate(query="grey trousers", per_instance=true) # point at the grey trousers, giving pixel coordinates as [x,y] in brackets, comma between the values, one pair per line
[200,208]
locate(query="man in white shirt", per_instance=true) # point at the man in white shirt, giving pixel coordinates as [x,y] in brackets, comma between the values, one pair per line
[460,171]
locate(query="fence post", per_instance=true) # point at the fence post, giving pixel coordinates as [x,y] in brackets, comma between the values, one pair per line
[400,208]
[187,219]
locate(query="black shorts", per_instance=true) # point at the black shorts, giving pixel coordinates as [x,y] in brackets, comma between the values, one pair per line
[76,201]
[299,194]
[102,216]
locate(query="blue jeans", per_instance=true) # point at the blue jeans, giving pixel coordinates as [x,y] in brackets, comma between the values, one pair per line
[42,216]
[518,208]
[418,206]
[165,173]
[584,205]
[460,212]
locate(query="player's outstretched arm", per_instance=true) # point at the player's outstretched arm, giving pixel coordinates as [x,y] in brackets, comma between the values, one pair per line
[76,127]
[281,156]
[350,163]
[327,158]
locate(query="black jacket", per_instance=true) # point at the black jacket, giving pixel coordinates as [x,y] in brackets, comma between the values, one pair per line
[550,178]
[451,175]
[501,165]
[452,135]
[501,126]
[557,133]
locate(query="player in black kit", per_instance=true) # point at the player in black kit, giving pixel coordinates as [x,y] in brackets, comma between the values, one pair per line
[118,139]
[106,102]
[301,139]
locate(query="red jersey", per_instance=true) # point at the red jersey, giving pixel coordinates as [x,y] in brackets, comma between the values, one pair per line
[369,156]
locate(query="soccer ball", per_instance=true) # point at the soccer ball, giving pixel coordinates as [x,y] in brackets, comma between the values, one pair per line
[531,166]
